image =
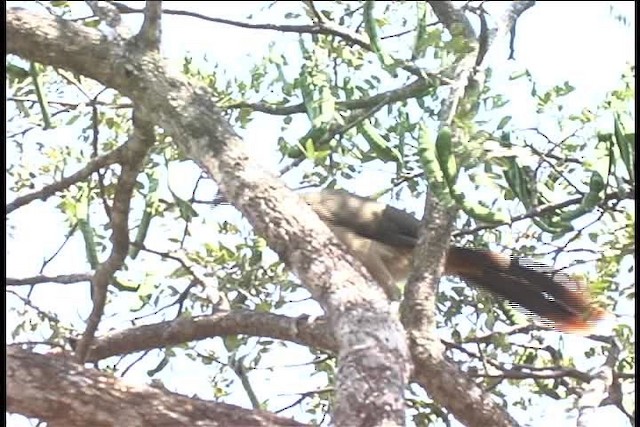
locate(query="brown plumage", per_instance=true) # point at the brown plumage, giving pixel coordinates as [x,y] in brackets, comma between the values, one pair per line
[383,238]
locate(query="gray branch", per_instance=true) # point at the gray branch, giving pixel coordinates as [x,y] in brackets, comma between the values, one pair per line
[65,279]
[150,34]
[442,379]
[182,330]
[64,393]
[49,190]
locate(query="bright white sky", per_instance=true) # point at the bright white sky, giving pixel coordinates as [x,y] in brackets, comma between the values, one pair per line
[574,41]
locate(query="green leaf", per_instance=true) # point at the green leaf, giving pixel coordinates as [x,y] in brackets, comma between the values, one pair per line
[626,145]
[231,342]
[378,144]
[505,121]
[187,212]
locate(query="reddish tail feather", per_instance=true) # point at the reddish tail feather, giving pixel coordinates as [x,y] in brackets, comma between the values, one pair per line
[557,298]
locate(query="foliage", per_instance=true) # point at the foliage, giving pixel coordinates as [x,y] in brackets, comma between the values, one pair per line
[359,101]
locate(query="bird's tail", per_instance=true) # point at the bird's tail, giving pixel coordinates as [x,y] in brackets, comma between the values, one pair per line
[555,297]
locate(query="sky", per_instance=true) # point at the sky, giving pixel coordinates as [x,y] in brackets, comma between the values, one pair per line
[556,41]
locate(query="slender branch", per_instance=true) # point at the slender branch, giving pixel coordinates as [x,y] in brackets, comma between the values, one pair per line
[321,27]
[316,14]
[133,155]
[71,105]
[318,28]
[66,240]
[546,209]
[84,173]
[65,279]
[241,372]
[95,139]
[412,90]
[514,374]
[522,371]
[491,336]
[208,284]
[511,15]
[51,318]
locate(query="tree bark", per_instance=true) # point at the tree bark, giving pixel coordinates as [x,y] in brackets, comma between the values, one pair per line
[63,393]
[373,356]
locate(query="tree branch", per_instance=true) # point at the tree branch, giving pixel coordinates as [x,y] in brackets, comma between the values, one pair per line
[135,150]
[453,17]
[44,193]
[322,27]
[150,33]
[413,89]
[64,279]
[442,379]
[602,383]
[318,28]
[181,330]
[60,392]
[373,355]
[545,209]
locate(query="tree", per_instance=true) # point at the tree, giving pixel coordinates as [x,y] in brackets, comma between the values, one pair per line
[372,85]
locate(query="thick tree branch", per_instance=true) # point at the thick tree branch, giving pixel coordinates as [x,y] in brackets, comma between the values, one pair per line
[58,391]
[150,33]
[165,334]
[602,385]
[373,356]
[453,18]
[316,334]
[442,379]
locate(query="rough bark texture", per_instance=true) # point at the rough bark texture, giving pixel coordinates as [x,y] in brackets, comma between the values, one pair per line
[66,394]
[373,354]
[441,378]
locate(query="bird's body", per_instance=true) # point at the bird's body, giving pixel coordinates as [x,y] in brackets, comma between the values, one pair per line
[382,238]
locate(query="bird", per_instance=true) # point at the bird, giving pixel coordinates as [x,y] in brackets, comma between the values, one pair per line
[383,237]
